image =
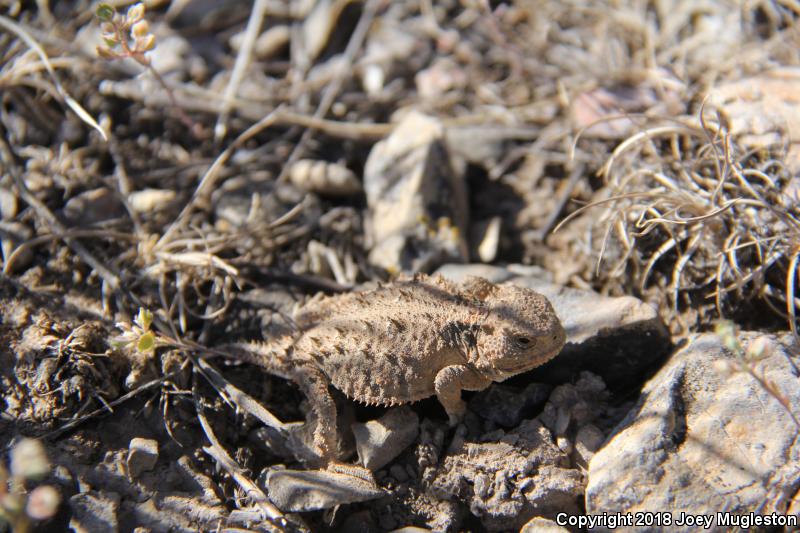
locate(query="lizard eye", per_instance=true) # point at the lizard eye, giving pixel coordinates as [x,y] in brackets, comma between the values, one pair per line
[524,342]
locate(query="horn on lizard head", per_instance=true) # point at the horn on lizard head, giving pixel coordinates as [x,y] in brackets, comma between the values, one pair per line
[478,287]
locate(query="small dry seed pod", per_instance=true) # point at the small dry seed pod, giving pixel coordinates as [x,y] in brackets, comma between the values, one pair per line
[324,178]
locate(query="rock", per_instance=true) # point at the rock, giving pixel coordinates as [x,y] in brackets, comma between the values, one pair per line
[485,145]
[322,177]
[12,235]
[380,441]
[372,79]
[620,339]
[142,456]
[417,203]
[507,406]
[506,483]
[392,47]
[189,473]
[489,240]
[311,490]
[763,109]
[587,442]
[701,440]
[94,511]
[8,204]
[65,480]
[317,27]
[178,512]
[149,200]
[573,405]
[271,41]
[602,112]
[93,206]
[495,274]
[542,525]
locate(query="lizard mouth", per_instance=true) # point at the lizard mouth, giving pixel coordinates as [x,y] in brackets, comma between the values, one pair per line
[530,364]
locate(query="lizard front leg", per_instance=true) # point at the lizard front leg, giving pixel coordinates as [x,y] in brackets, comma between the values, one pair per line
[449,383]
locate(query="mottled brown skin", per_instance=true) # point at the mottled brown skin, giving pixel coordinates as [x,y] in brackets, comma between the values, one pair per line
[409,340]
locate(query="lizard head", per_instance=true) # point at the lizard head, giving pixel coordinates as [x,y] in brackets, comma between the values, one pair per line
[521,331]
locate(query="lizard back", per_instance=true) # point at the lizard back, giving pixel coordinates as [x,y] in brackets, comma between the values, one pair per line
[385,346]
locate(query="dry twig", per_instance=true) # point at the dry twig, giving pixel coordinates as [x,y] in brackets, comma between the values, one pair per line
[216,451]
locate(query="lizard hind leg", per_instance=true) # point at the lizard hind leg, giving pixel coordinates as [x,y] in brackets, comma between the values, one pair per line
[314,385]
[277,359]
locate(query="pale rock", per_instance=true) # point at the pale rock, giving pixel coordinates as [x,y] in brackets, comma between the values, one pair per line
[416,200]
[267,44]
[379,441]
[142,456]
[311,490]
[702,441]
[12,235]
[587,442]
[489,243]
[94,511]
[149,200]
[322,177]
[93,206]
[542,525]
[509,481]
[8,204]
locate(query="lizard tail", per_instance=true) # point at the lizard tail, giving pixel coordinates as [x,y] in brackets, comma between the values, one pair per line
[273,356]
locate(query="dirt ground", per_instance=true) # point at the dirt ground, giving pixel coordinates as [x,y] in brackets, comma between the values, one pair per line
[179,175]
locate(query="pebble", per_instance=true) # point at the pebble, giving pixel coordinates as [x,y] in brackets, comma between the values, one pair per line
[142,456]
[312,490]
[379,441]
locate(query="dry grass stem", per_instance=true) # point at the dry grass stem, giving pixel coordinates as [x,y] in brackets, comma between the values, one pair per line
[218,453]
[10,25]
[257,14]
[706,222]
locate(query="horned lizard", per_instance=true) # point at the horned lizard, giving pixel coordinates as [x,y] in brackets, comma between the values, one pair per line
[407,341]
